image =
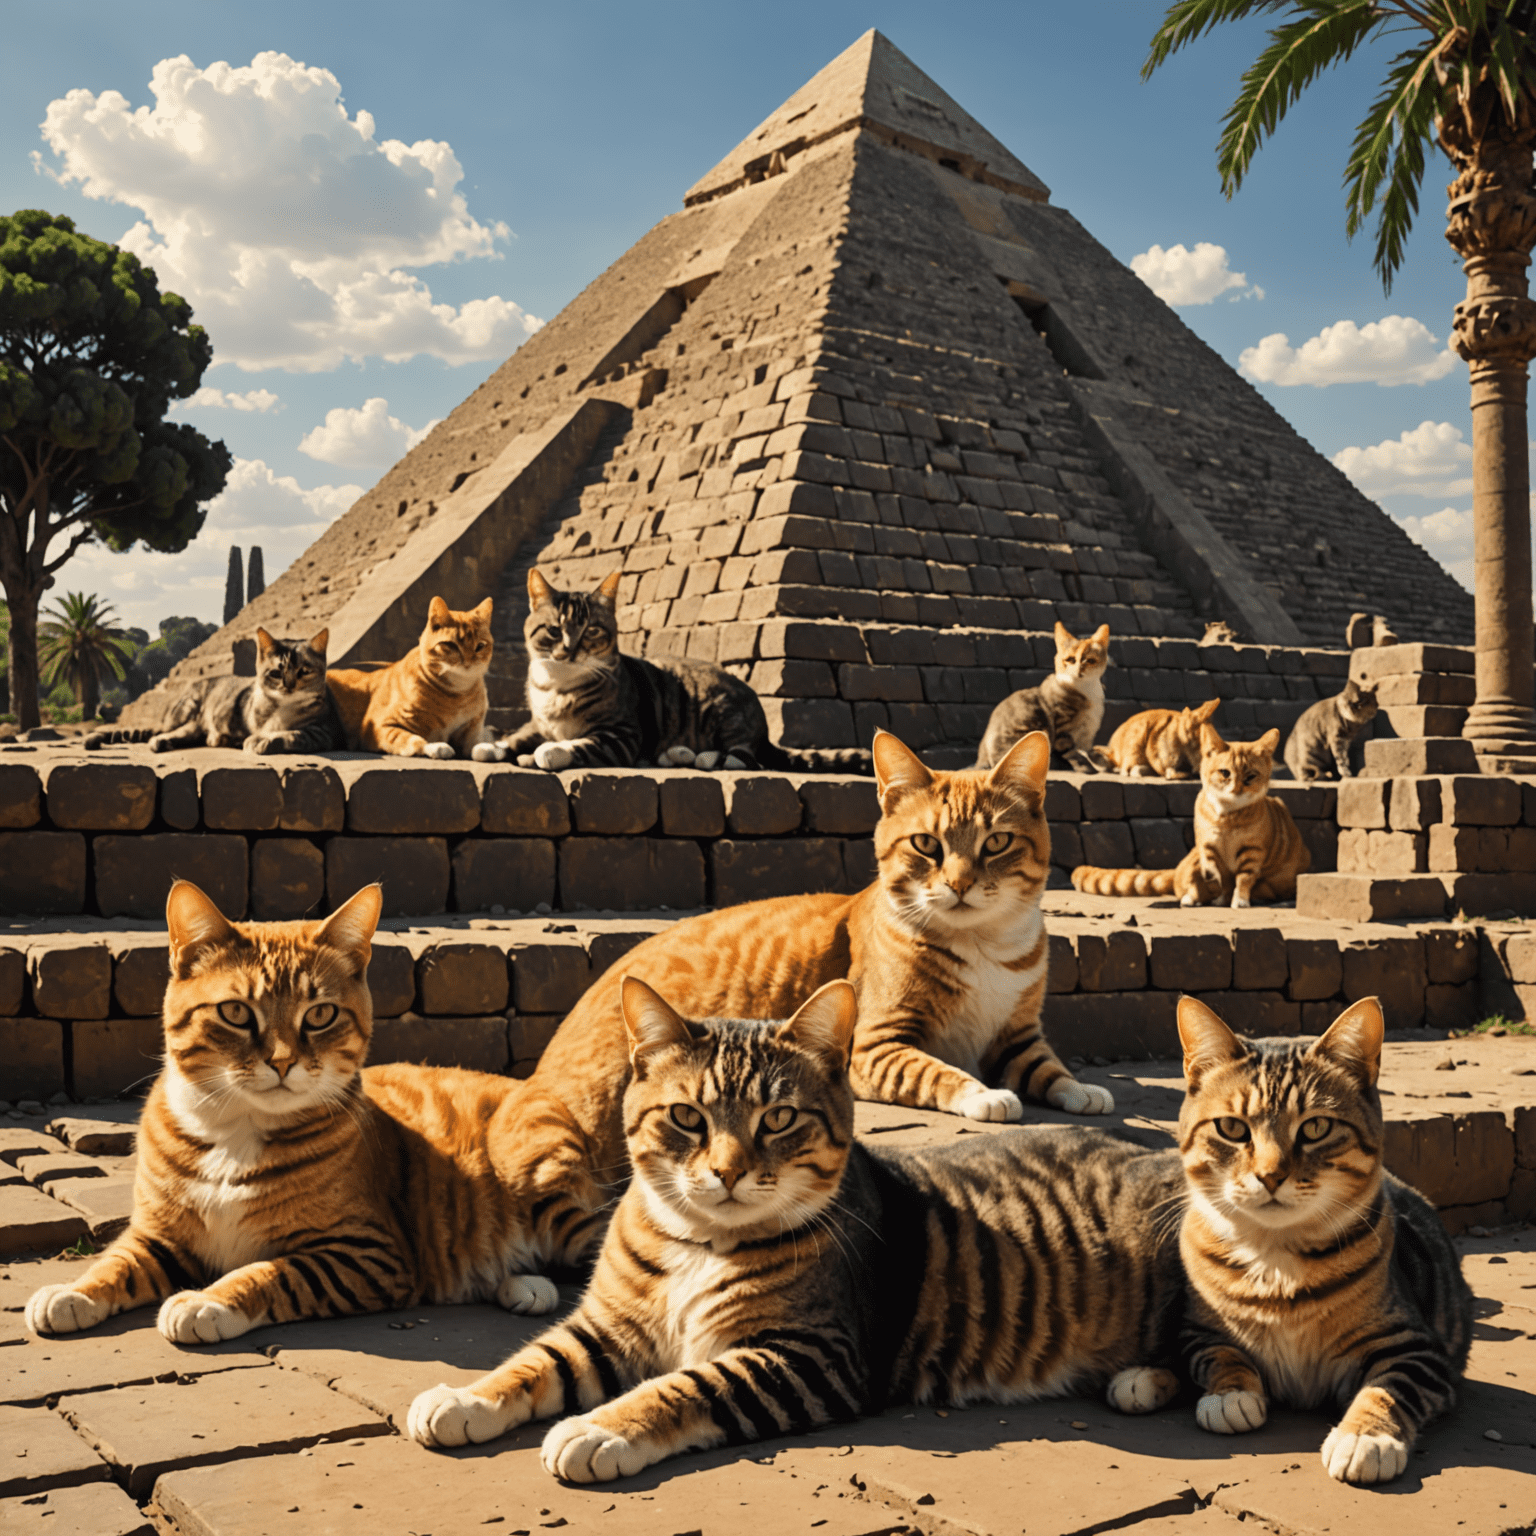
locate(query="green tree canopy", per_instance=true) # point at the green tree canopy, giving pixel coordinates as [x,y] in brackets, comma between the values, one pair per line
[82,647]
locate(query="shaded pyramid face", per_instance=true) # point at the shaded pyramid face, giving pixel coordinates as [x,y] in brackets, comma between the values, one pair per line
[862,421]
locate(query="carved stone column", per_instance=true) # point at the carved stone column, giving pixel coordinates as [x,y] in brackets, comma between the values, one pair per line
[1491,223]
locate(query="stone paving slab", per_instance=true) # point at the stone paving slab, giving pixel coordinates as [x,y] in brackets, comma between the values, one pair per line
[99,1509]
[32,1222]
[100,1135]
[40,1451]
[106,1204]
[144,1431]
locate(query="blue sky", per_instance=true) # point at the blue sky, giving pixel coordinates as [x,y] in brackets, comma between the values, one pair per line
[313,257]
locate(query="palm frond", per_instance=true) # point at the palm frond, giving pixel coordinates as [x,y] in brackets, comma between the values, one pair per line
[1189,19]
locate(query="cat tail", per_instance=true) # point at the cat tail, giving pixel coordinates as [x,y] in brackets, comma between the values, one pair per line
[1123,882]
[815,759]
[117,737]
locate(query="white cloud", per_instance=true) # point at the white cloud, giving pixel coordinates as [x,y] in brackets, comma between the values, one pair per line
[210,399]
[363,437]
[1393,350]
[1431,460]
[1181,276]
[284,222]
[1447,535]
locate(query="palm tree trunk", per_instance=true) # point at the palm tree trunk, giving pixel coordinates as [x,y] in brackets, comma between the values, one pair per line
[90,690]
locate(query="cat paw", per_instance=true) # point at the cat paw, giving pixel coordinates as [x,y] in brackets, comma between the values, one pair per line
[488,752]
[1240,901]
[194,1317]
[1231,1413]
[581,1451]
[525,760]
[677,757]
[1081,1098]
[444,1415]
[990,1104]
[553,755]
[439,749]
[59,1309]
[531,1294]
[1189,899]
[160,744]
[1350,1458]
[708,761]
[1142,1389]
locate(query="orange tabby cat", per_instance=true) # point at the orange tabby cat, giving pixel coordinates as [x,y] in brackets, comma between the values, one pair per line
[276,1181]
[1160,743]
[1247,847]
[430,703]
[947,948]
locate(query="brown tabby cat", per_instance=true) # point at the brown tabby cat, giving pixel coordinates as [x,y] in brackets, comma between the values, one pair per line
[430,703]
[1247,847]
[1160,743]
[276,1181]
[947,949]
[1068,706]
[1316,1276]
[766,1273]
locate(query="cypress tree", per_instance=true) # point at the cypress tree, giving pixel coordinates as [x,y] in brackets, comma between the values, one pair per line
[255,575]
[234,585]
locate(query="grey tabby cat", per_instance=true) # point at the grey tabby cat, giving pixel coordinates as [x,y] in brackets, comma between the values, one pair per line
[594,707]
[1068,706]
[286,707]
[1320,740]
[765,1272]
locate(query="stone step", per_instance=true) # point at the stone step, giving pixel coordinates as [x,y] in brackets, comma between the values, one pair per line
[1408,757]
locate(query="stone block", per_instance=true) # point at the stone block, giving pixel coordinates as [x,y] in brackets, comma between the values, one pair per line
[1259,960]
[811,641]
[1322,840]
[1458,688]
[1454,848]
[1451,954]
[110,1058]
[32,1222]
[287,878]
[1316,969]
[528,1034]
[314,799]
[462,978]
[1255,1014]
[1392,969]
[179,806]
[1367,899]
[105,1203]
[1481,801]
[134,874]
[1408,756]
[549,975]
[478,1044]
[611,802]
[93,1509]
[414,872]
[750,870]
[524,802]
[100,797]
[1111,962]
[242,799]
[1414,804]
[410,797]
[1415,720]
[391,978]
[690,805]
[1067,846]
[1103,799]
[811,722]
[1478,894]
[140,973]
[31,1059]
[1452,1006]
[1363,802]
[1158,840]
[860,868]
[840,807]
[1108,844]
[760,804]
[13,980]
[1379,661]
[1518,954]
[71,979]
[1137,1025]
[628,874]
[95,1138]
[42,874]
[1453,1159]
[1190,962]
[1063,800]
[51,1454]
[1063,963]
[512,872]
[45,1169]
[1382,853]
[21,795]
[604,949]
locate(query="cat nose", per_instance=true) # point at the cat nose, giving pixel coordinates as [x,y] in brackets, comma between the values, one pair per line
[1272,1181]
[280,1063]
[730,1177]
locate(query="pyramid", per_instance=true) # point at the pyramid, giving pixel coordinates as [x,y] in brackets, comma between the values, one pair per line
[862,421]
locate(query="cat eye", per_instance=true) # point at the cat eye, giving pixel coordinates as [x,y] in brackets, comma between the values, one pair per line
[321,1016]
[780,1117]
[927,844]
[686,1117]
[1230,1128]
[997,842]
[1316,1128]
[237,1014]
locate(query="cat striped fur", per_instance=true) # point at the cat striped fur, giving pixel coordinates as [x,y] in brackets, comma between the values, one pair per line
[765,1273]
[276,1180]
[1316,1277]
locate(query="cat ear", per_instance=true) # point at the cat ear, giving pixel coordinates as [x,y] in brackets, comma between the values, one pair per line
[264,641]
[439,614]
[1100,636]
[1211,739]
[897,766]
[481,612]
[608,588]
[318,643]
[539,590]
[1269,741]
[1064,640]
[1203,712]
[1026,761]
[1207,1041]
[823,1023]
[1353,1040]
[351,926]
[650,1021]
[194,924]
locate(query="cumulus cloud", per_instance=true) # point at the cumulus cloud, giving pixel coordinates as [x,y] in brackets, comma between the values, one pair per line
[1181,276]
[1432,460]
[1447,535]
[1393,350]
[211,399]
[362,437]
[289,227]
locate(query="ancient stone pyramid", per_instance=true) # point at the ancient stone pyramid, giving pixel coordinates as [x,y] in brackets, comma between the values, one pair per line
[861,419]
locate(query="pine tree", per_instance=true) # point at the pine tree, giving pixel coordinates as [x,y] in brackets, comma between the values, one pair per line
[234,586]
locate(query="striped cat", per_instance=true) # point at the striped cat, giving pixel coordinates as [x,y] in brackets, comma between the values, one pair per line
[276,1181]
[1068,706]
[766,1273]
[1160,743]
[1316,1276]
[947,947]
[592,706]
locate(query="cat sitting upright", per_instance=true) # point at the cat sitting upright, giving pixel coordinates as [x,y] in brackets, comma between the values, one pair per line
[1320,740]
[1068,706]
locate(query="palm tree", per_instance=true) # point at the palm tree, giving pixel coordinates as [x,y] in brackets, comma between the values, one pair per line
[81,647]
[1466,81]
